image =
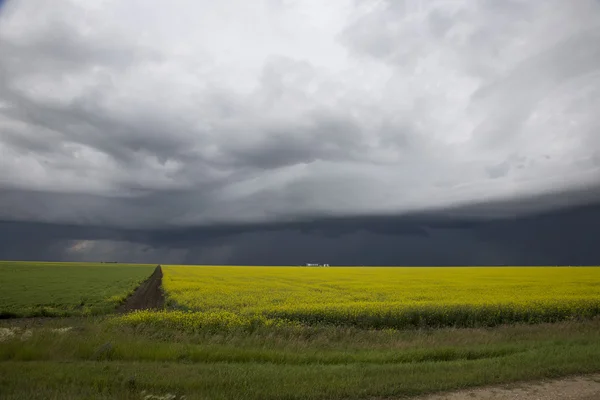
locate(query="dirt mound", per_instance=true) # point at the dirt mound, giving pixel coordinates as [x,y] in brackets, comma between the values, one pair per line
[148,295]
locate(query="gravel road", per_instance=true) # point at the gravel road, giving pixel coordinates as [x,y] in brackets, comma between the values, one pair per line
[576,388]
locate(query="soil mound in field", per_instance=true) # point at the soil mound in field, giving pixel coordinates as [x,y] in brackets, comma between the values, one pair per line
[148,295]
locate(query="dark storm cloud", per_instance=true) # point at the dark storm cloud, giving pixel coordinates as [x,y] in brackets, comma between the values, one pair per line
[375,132]
[486,234]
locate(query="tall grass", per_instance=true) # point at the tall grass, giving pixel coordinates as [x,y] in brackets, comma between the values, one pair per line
[96,360]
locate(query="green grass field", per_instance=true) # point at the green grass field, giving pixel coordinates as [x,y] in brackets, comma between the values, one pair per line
[98,359]
[60,289]
[223,339]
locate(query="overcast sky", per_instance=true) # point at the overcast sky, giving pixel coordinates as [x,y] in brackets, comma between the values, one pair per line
[124,124]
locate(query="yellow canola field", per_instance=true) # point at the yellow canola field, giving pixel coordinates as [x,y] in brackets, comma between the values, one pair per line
[383,297]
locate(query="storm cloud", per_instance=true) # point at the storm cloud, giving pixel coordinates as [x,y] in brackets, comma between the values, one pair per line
[356,131]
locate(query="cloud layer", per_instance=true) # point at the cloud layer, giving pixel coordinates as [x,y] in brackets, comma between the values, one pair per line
[480,235]
[146,115]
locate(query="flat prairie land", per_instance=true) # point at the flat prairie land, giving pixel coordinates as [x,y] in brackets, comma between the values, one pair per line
[303,333]
[381,298]
[30,289]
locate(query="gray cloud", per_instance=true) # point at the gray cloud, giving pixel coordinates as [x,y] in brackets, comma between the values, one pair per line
[138,117]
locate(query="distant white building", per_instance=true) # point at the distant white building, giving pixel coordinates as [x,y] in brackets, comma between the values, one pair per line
[316,265]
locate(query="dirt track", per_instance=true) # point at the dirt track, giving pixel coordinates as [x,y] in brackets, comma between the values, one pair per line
[577,388]
[147,296]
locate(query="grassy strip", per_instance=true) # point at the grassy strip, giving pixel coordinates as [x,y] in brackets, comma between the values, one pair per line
[54,346]
[32,380]
[96,359]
